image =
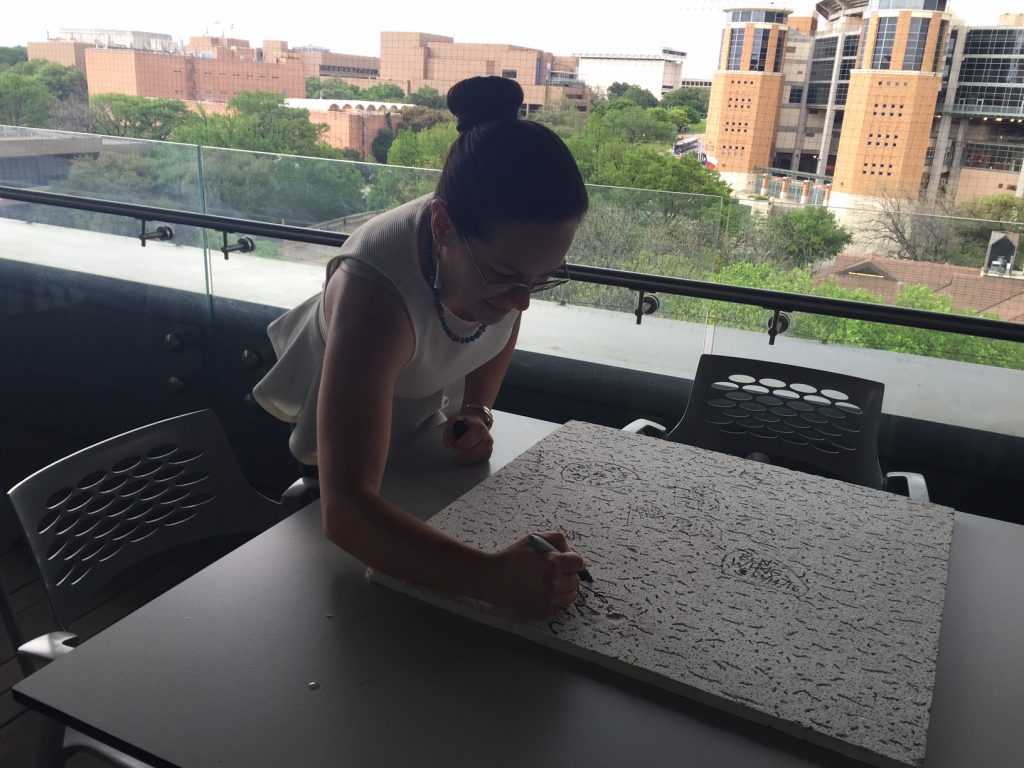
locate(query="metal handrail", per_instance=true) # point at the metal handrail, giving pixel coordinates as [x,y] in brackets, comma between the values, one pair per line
[777,301]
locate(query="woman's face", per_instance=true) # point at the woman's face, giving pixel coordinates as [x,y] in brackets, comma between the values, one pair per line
[484,280]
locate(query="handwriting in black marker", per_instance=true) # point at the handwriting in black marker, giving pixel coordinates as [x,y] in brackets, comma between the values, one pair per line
[765,571]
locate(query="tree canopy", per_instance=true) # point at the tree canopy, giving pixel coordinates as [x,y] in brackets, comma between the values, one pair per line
[41,94]
[10,55]
[693,98]
[258,121]
[115,114]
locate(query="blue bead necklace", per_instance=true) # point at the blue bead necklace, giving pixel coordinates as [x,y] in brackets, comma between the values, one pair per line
[447,329]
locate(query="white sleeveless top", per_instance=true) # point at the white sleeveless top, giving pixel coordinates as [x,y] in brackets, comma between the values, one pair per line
[430,383]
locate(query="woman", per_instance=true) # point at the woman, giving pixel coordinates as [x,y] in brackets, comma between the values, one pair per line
[419,300]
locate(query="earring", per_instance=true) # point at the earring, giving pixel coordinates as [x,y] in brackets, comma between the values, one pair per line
[437,267]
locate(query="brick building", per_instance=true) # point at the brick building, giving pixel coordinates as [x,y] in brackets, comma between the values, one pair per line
[412,60]
[878,98]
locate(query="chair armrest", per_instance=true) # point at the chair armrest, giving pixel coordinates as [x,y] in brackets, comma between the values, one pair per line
[645,427]
[300,493]
[916,487]
[49,647]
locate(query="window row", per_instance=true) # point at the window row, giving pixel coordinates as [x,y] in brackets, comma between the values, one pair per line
[992,71]
[995,41]
[908,5]
[994,157]
[1002,99]
[770,17]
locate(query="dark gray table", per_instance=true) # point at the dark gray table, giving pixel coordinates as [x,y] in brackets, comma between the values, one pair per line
[282,654]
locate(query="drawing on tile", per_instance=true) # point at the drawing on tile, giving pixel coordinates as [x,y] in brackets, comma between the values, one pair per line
[807,604]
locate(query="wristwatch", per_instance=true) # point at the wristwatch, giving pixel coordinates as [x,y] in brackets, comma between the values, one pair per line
[482,411]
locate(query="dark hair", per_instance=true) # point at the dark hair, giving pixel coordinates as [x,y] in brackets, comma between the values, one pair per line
[503,169]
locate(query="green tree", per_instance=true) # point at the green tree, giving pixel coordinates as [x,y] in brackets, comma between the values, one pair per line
[1002,207]
[425,149]
[694,98]
[11,55]
[616,89]
[116,114]
[381,145]
[808,235]
[383,92]
[63,83]
[639,96]
[632,124]
[416,119]
[331,88]
[24,100]
[258,121]
[683,117]
[428,97]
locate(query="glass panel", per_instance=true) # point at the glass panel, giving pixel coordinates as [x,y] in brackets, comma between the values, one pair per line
[916,41]
[104,168]
[780,46]
[329,195]
[759,50]
[735,48]
[886,37]
[109,333]
[895,256]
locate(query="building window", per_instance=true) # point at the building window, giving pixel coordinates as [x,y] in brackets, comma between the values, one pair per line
[850,45]
[817,94]
[735,48]
[938,45]
[990,99]
[821,71]
[994,42]
[993,157]
[884,39]
[988,70]
[796,94]
[825,48]
[509,73]
[759,50]
[916,40]
[780,45]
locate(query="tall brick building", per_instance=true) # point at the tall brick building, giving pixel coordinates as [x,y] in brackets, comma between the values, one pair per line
[878,98]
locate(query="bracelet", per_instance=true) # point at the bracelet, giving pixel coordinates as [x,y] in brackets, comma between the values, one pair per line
[482,411]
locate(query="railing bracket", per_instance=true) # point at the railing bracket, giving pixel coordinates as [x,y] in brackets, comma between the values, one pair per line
[242,245]
[647,304]
[162,232]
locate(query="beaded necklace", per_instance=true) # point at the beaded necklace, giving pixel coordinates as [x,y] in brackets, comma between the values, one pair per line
[447,329]
[436,285]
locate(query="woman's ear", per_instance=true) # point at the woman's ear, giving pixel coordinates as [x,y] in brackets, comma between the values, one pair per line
[440,222]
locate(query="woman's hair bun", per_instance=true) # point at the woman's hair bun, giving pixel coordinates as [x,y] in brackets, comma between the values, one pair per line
[478,100]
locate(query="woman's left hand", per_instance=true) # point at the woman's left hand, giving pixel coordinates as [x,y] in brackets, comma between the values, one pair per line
[474,443]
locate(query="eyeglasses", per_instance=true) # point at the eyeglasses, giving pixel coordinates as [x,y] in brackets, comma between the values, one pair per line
[503,286]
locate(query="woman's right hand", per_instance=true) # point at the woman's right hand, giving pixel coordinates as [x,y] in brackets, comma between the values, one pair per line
[533,585]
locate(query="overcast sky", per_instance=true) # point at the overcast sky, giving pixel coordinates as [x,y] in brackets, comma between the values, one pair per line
[563,28]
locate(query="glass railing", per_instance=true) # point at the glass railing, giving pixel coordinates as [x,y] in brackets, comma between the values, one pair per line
[878,257]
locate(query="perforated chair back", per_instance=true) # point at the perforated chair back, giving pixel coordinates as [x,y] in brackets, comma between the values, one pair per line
[92,515]
[806,419]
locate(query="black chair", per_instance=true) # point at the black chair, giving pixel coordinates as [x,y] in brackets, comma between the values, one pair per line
[805,419]
[93,515]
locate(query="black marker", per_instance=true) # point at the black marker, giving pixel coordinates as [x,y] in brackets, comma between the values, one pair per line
[459,428]
[543,546]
